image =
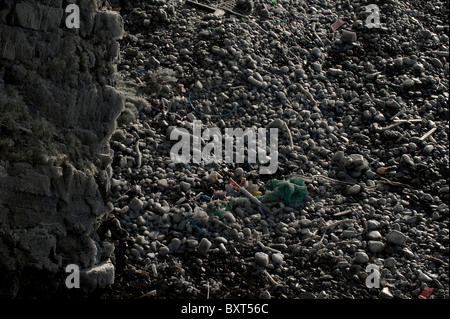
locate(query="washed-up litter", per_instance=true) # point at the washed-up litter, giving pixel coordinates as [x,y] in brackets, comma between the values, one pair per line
[426,293]
[337,24]
[291,191]
[247,194]
[216,212]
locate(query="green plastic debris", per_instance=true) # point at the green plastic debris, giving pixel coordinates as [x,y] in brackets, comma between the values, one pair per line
[236,202]
[216,212]
[291,191]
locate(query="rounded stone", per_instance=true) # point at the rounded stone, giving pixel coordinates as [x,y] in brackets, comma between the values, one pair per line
[185,187]
[354,190]
[374,235]
[141,221]
[373,224]
[262,259]
[140,240]
[396,237]
[265,295]
[136,204]
[390,262]
[175,244]
[277,258]
[375,246]
[424,278]
[163,183]
[204,246]
[163,250]
[361,257]
[428,149]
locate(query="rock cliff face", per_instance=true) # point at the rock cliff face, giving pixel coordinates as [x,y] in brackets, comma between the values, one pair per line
[58,109]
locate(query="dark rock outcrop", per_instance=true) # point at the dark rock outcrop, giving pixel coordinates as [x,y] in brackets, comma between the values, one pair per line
[58,109]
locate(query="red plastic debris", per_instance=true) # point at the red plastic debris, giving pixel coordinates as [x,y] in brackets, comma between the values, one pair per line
[233,183]
[336,25]
[426,293]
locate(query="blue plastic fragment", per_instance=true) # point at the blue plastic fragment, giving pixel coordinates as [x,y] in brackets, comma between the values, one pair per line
[261,211]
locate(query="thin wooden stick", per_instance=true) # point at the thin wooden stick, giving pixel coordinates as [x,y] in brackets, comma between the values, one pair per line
[391,126]
[408,121]
[427,134]
[272,281]
[432,140]
[345,212]
[138,155]
[385,180]
[265,248]
[400,138]
[254,199]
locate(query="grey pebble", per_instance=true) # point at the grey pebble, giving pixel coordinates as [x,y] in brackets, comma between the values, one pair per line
[375,246]
[390,262]
[396,237]
[262,259]
[174,244]
[408,253]
[140,221]
[385,293]
[334,72]
[228,216]
[265,295]
[373,224]
[198,85]
[251,80]
[277,258]
[361,257]
[437,63]
[354,190]
[163,183]
[185,187]
[204,246]
[428,149]
[424,278]
[348,36]
[141,240]
[407,159]
[136,204]
[163,250]
[135,252]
